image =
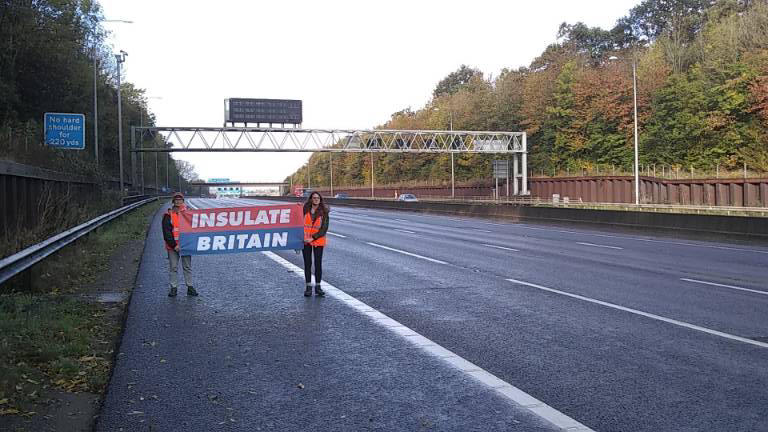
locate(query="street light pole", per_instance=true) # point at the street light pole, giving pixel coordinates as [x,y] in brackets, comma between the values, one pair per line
[96,97]
[450,125]
[453,185]
[120,60]
[634,104]
[634,91]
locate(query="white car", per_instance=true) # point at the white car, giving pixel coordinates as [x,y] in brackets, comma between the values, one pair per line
[407,197]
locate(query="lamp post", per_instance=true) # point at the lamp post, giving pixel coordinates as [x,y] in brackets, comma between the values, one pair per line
[634,95]
[450,120]
[96,97]
[120,60]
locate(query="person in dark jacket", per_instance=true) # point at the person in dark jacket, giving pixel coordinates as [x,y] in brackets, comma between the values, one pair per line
[171,236]
[315,229]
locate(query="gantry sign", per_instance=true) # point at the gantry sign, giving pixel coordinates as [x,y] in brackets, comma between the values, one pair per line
[283,140]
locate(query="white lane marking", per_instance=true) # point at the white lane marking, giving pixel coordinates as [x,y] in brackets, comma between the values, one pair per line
[646,240]
[724,286]
[337,235]
[407,253]
[647,315]
[483,377]
[501,247]
[597,245]
[402,220]
[405,231]
[482,230]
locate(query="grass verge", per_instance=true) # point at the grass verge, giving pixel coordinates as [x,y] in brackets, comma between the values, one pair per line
[52,337]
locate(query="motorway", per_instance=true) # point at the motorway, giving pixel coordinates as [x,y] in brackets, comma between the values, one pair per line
[452,324]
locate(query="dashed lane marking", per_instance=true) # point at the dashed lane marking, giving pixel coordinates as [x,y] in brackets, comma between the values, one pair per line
[336,235]
[405,231]
[501,247]
[471,370]
[646,314]
[597,245]
[407,253]
[724,286]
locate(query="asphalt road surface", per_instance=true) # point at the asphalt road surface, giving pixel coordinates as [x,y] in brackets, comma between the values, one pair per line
[441,323]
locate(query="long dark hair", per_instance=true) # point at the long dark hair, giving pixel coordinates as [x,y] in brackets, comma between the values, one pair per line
[322,209]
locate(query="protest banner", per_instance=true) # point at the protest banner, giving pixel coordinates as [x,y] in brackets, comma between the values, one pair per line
[241,229]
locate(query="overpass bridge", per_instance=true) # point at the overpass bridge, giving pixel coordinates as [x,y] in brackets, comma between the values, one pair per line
[283,188]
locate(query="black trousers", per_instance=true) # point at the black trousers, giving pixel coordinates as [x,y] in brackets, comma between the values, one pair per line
[317,251]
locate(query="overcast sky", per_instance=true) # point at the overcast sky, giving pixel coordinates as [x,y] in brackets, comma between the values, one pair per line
[352,63]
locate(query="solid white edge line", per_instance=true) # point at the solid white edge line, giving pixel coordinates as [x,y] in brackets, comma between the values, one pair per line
[647,315]
[407,253]
[597,245]
[724,286]
[337,235]
[501,247]
[480,375]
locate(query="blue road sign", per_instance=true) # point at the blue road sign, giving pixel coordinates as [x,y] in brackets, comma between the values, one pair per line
[65,130]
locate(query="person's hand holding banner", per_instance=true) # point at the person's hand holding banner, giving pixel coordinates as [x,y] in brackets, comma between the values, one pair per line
[241,229]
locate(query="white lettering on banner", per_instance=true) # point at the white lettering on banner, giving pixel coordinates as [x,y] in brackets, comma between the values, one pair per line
[218,243]
[235,218]
[242,217]
[285,215]
[203,243]
[221,220]
[262,218]
[273,215]
[206,220]
[280,239]
[254,242]
[242,241]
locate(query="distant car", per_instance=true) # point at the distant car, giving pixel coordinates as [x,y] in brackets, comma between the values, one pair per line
[341,195]
[306,193]
[407,197]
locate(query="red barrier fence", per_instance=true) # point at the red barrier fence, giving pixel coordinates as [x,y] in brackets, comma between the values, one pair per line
[745,192]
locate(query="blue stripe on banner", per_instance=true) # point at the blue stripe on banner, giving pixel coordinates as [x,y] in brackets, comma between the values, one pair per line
[221,242]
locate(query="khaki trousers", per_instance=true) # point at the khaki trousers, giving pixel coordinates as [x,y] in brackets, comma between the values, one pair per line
[186,264]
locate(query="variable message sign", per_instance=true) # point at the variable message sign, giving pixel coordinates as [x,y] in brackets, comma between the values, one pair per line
[238,110]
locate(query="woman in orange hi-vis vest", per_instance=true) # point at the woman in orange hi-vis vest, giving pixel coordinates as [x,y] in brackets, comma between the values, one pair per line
[315,228]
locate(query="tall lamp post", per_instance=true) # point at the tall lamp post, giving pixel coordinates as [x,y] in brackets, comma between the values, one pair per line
[120,60]
[95,94]
[450,120]
[634,95]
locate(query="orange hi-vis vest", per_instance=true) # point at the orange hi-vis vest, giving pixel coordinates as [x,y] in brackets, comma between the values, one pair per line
[175,223]
[312,228]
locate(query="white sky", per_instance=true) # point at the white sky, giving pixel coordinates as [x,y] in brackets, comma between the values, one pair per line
[352,63]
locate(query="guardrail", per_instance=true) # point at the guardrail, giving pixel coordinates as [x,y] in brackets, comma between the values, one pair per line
[20,261]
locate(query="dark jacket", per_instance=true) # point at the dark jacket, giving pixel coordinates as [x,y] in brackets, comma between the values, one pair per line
[168,231]
[322,211]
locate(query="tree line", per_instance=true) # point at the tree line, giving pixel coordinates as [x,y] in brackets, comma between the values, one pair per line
[702,99]
[48,49]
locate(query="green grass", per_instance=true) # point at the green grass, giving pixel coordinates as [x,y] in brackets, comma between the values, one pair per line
[51,338]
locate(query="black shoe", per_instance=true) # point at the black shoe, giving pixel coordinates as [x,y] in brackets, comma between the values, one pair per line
[191,292]
[308,291]
[319,291]
[172,292]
